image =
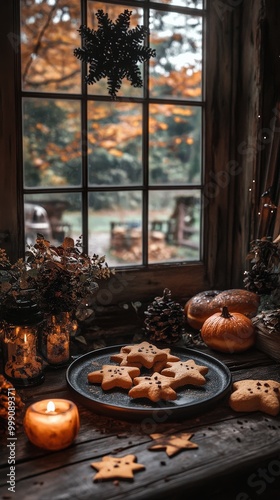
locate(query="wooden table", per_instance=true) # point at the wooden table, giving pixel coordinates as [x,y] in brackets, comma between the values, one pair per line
[238,455]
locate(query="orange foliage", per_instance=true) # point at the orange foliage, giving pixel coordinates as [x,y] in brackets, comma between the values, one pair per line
[49,35]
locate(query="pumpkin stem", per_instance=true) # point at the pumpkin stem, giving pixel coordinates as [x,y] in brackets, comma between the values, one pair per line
[225,313]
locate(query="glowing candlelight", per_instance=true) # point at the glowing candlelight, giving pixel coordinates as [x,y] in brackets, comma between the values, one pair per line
[23,365]
[50,407]
[52,425]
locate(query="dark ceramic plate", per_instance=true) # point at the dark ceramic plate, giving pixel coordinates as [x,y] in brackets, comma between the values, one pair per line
[191,400]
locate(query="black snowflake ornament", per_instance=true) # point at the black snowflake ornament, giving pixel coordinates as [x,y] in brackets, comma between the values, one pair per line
[113,51]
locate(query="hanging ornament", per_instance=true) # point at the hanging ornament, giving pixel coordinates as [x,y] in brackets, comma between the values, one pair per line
[113,51]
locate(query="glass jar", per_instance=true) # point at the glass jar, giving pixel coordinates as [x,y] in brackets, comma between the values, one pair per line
[55,338]
[22,364]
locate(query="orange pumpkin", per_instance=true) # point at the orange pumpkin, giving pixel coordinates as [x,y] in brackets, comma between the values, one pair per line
[228,332]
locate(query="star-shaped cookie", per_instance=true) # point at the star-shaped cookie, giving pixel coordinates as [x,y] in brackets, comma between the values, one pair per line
[154,387]
[159,365]
[116,467]
[145,353]
[114,376]
[185,372]
[256,395]
[121,358]
[173,443]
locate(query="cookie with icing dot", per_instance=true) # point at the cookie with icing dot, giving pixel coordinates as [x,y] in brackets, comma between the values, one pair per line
[121,358]
[114,376]
[159,365]
[145,353]
[172,443]
[154,387]
[256,395]
[185,373]
[116,467]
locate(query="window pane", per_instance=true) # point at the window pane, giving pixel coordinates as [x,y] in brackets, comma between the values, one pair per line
[113,11]
[53,215]
[48,38]
[176,70]
[174,225]
[115,143]
[175,144]
[51,142]
[115,226]
[195,4]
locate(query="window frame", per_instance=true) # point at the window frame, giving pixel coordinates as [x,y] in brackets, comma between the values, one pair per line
[222,267]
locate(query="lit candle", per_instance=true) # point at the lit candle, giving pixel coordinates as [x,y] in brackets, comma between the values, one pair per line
[52,425]
[22,362]
[27,348]
[58,347]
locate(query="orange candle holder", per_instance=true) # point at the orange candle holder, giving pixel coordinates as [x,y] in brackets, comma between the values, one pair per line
[52,424]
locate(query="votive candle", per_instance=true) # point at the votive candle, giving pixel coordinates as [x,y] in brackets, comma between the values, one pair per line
[52,424]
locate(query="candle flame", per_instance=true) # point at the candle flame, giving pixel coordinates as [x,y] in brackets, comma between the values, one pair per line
[50,406]
[25,338]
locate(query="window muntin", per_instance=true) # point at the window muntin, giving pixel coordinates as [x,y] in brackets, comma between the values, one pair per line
[141,166]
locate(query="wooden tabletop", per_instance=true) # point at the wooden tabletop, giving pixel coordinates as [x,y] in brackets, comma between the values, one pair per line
[238,454]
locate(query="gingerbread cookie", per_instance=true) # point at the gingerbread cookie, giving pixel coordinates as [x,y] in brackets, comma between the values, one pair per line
[159,365]
[114,376]
[121,358]
[256,395]
[154,387]
[116,467]
[173,443]
[185,372]
[145,353]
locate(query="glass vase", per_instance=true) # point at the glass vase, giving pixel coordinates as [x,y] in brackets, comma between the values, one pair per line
[55,338]
[21,362]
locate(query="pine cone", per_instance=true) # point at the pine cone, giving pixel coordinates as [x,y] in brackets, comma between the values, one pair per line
[165,319]
[4,399]
[260,280]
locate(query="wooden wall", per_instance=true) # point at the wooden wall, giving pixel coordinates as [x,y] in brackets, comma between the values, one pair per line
[269,173]
[9,223]
[232,128]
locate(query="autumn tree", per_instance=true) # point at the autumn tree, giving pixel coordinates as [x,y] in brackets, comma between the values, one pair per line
[52,132]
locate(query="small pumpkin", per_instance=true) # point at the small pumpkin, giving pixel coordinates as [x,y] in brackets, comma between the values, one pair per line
[228,332]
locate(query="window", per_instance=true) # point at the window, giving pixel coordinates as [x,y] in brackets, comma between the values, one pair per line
[149,190]
[126,174]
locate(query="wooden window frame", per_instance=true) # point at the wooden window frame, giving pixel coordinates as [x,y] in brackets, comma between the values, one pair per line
[234,37]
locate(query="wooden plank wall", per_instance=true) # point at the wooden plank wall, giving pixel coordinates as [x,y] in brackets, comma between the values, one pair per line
[269,174]
[231,136]
[9,224]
